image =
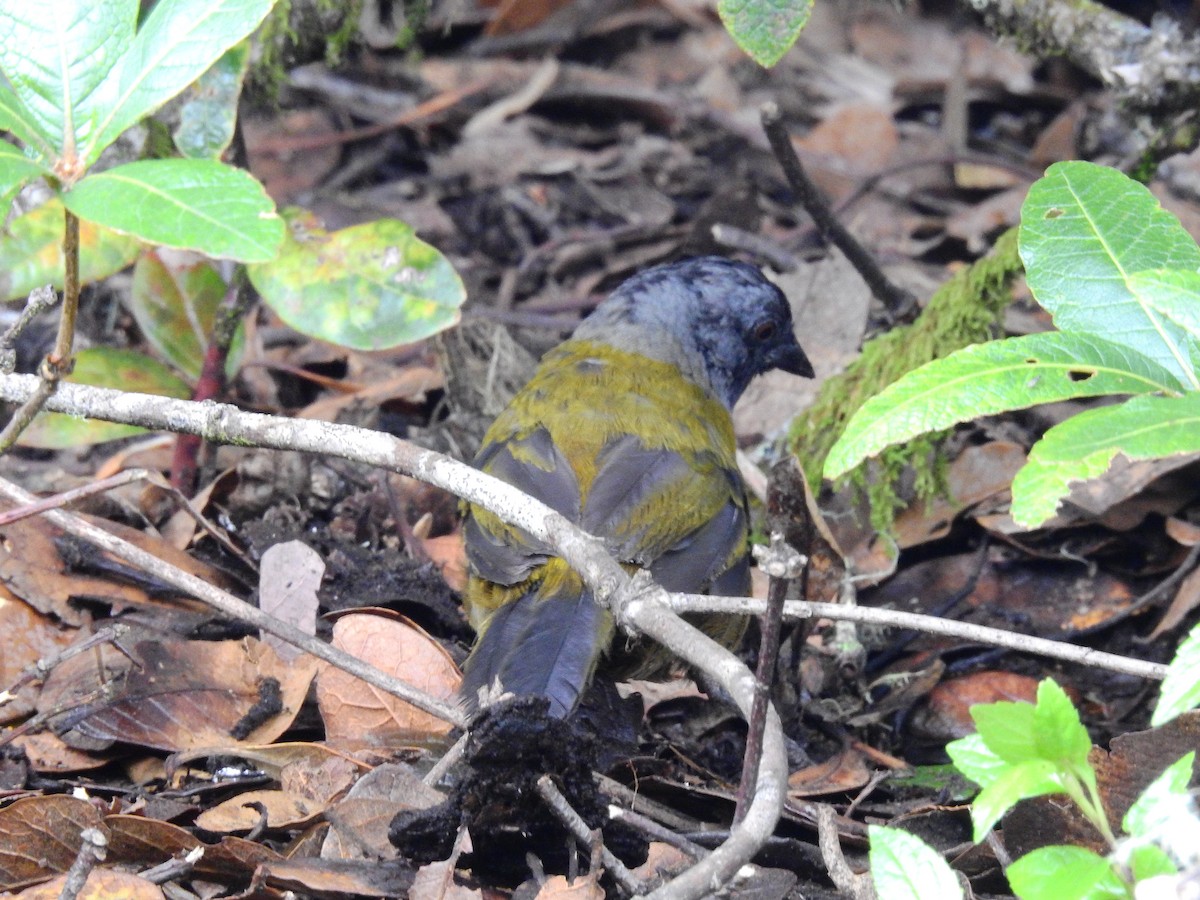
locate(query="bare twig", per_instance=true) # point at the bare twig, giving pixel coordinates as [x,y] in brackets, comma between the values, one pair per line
[783,564]
[92,850]
[585,836]
[797,609]
[895,299]
[40,300]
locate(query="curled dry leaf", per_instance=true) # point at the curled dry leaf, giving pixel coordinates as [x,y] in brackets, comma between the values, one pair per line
[844,771]
[355,713]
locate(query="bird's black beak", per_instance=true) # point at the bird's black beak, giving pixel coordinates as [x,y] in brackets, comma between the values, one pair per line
[790,358]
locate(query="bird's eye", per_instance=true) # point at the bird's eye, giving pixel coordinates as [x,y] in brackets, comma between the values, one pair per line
[764,331]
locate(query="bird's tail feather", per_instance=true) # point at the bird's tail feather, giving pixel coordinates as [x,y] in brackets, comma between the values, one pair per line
[540,646]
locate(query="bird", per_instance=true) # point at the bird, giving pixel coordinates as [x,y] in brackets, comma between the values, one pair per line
[625,429]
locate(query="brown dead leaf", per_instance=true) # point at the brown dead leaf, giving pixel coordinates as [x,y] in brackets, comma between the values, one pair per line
[844,771]
[283,809]
[945,715]
[1183,532]
[142,841]
[662,860]
[585,887]
[325,878]
[409,385]
[360,821]
[978,474]
[355,712]
[435,881]
[448,553]
[1187,598]
[174,694]
[274,759]
[32,567]
[856,140]
[101,884]
[39,837]
[28,637]
[49,754]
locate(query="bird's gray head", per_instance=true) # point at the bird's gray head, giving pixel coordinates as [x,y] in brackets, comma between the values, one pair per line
[721,322]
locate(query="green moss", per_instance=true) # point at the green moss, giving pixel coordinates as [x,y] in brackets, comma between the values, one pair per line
[965,310]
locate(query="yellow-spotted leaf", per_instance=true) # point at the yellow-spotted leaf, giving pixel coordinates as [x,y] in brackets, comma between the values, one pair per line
[31,251]
[103,367]
[369,287]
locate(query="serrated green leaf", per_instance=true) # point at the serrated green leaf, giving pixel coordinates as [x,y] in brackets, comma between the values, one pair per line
[109,367]
[174,302]
[31,251]
[189,204]
[209,106]
[1181,688]
[1065,873]
[1032,778]
[1058,731]
[1085,230]
[904,867]
[16,170]
[56,56]
[370,287]
[765,29]
[976,760]
[1085,445]
[985,379]
[1009,729]
[179,40]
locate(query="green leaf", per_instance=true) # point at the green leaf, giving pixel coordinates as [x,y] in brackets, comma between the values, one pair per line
[209,109]
[370,286]
[1166,804]
[1065,873]
[1181,688]
[1009,729]
[179,40]
[1085,231]
[31,251]
[1018,782]
[15,118]
[189,204]
[1150,862]
[103,367]
[904,867]
[56,56]
[976,760]
[1084,446]
[174,302]
[1175,293]
[985,379]
[16,169]
[1058,731]
[765,29]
